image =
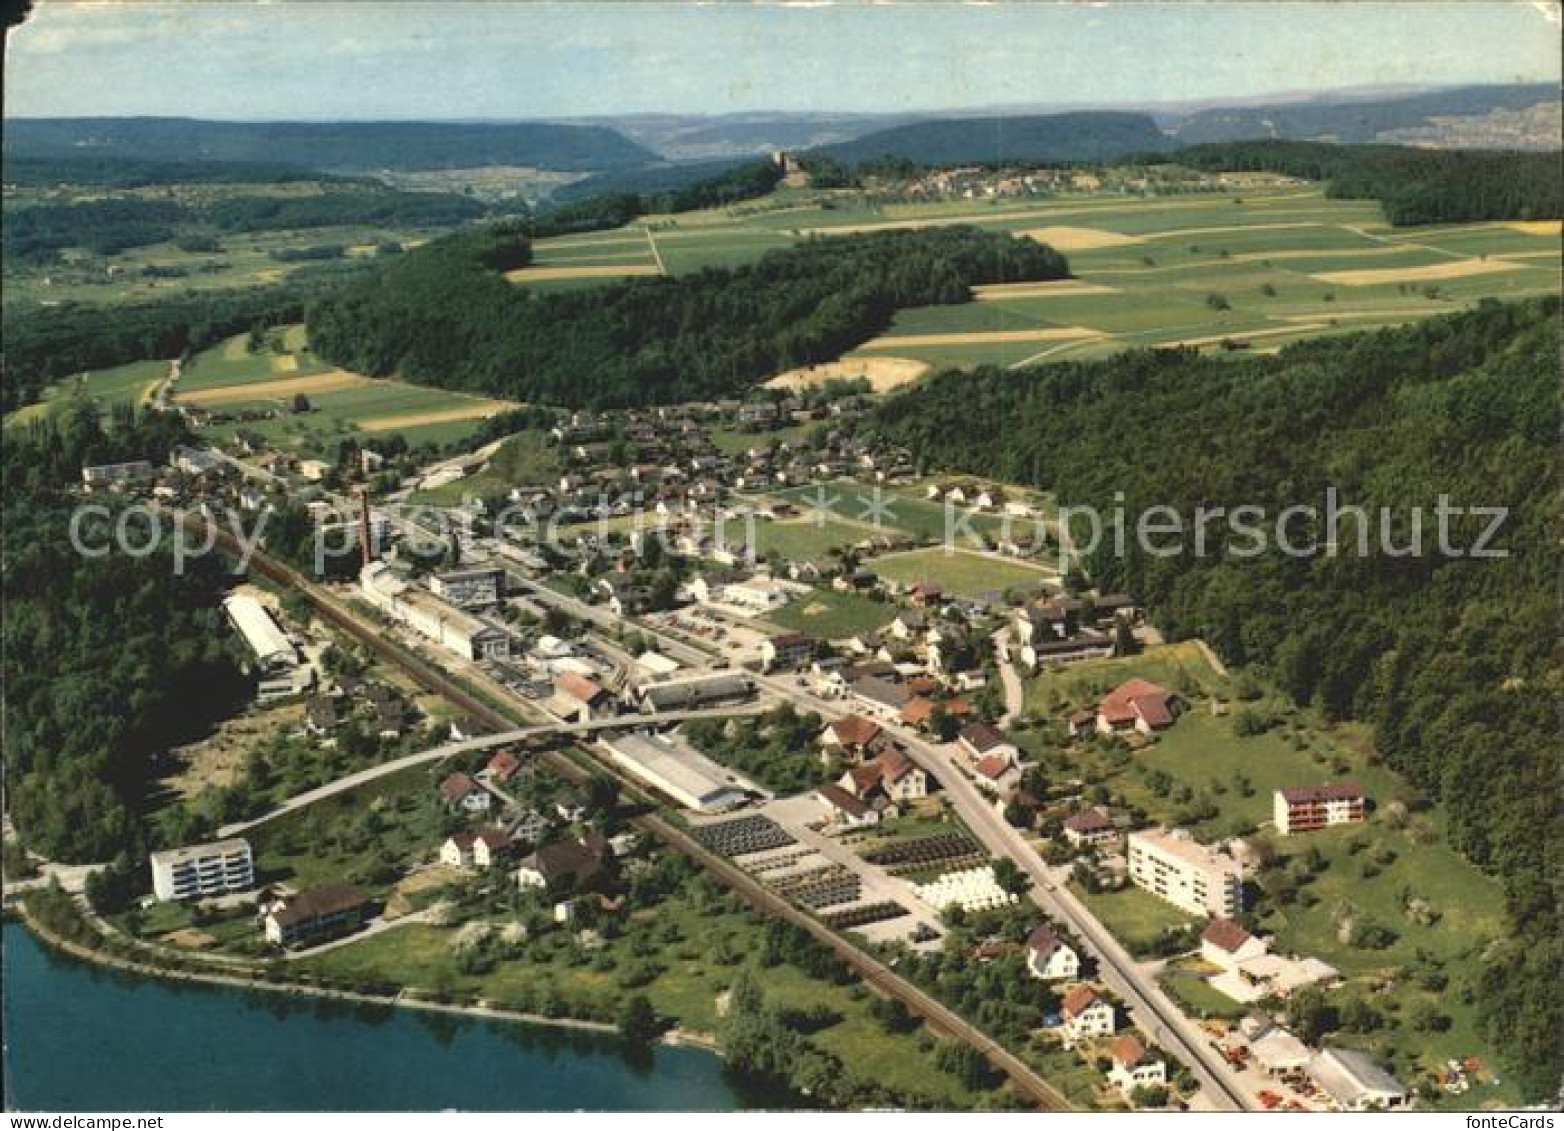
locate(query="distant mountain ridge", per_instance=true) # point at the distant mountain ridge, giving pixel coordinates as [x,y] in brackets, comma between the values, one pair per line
[1357,121]
[1085,135]
[332,146]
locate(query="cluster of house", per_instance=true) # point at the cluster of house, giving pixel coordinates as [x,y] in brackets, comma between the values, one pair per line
[382,709]
[1086,1014]
[1061,629]
[879,781]
[544,848]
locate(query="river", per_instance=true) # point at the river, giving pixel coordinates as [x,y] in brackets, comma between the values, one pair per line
[83,1038]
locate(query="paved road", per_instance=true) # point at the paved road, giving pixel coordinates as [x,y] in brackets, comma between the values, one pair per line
[1150,1008]
[1015,693]
[483,742]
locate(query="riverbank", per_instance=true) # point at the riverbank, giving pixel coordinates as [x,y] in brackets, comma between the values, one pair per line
[675,1038]
[281,1052]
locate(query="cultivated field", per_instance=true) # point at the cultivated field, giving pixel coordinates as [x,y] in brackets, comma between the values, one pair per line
[1213,271]
[256,391]
[105,388]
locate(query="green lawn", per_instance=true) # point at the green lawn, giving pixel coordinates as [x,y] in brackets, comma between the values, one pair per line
[106,388]
[831,615]
[524,458]
[683,955]
[1196,998]
[1136,918]
[960,573]
[1180,667]
[797,540]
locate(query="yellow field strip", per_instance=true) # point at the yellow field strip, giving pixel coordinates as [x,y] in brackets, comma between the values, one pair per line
[550,274]
[474,411]
[882,373]
[332,382]
[1372,276]
[1175,233]
[1062,288]
[983,337]
[1242,335]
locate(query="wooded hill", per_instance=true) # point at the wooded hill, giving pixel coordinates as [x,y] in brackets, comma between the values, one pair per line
[443,315]
[1088,135]
[355,146]
[1451,659]
[1415,186]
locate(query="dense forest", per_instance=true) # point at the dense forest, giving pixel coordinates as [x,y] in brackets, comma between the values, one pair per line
[132,172]
[103,227]
[1415,186]
[1451,659]
[106,661]
[442,315]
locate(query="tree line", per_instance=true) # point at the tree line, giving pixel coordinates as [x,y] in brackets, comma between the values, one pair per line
[46,343]
[1414,186]
[442,315]
[1451,659]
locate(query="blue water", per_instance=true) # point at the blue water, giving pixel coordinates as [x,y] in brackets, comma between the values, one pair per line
[83,1038]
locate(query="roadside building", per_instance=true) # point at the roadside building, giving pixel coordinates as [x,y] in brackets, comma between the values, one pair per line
[692,692]
[1173,866]
[469,588]
[1355,1083]
[201,871]
[462,794]
[674,768]
[1136,1066]
[1086,1015]
[1090,828]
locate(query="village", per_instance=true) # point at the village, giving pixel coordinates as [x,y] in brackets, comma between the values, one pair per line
[881,694]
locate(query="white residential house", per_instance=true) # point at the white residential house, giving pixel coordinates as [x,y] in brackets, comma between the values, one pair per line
[1086,1015]
[1049,957]
[1173,866]
[1136,1066]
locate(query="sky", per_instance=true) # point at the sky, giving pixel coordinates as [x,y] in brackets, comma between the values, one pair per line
[398,59]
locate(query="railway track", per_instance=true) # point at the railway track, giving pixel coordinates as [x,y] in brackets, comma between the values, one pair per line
[938,1016]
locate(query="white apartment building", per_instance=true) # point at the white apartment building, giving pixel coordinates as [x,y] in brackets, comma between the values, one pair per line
[200,871]
[1170,864]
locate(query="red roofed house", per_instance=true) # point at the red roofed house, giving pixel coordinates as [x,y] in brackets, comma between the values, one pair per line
[1086,1015]
[980,740]
[1137,704]
[1089,828]
[461,793]
[475,850]
[1303,809]
[846,810]
[920,709]
[852,734]
[1136,1066]
[504,765]
[579,699]
[1224,943]
[890,771]
[1049,957]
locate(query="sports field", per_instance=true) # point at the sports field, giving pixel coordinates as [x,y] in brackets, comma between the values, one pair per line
[960,572]
[232,381]
[1223,273]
